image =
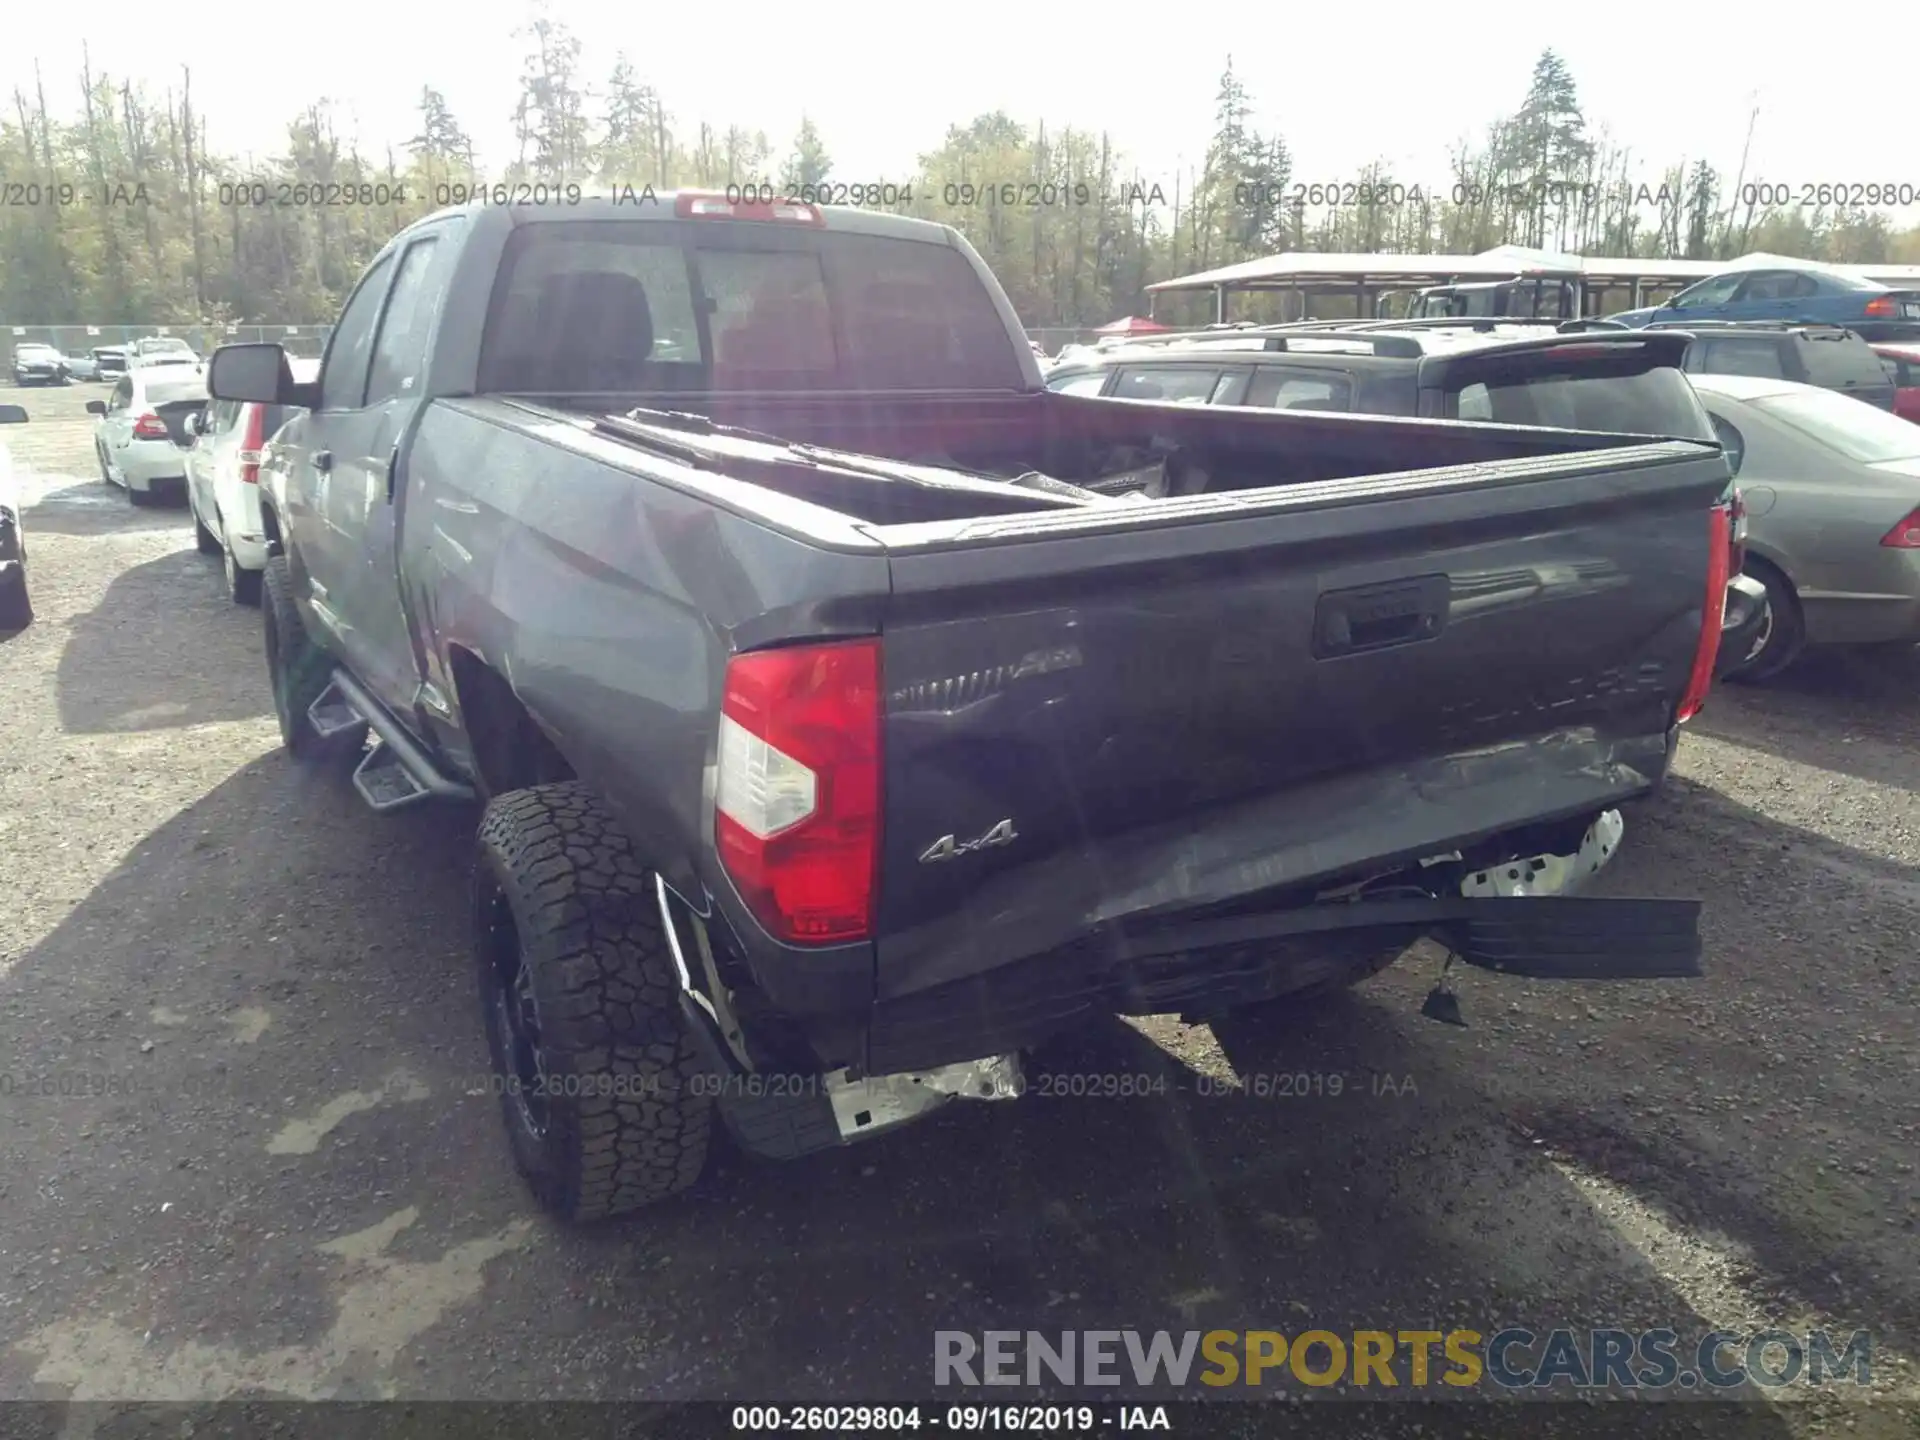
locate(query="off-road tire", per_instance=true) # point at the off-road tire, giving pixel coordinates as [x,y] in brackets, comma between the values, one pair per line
[1788,637]
[565,916]
[297,669]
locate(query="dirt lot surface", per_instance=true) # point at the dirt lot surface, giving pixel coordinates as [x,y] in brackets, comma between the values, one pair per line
[263,1168]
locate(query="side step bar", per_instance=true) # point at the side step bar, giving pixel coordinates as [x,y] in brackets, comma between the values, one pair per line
[396,772]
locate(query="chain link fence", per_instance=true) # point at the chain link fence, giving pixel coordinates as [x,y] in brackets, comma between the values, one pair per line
[308,340]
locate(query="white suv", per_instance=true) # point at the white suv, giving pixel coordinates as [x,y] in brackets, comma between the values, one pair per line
[223,484]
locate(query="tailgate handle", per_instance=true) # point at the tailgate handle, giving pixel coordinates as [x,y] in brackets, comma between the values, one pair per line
[1374,617]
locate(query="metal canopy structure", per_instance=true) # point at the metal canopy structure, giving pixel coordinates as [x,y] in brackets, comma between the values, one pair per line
[1368,274]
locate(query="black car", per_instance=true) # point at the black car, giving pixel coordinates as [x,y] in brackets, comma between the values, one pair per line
[35,364]
[1830,356]
[16,609]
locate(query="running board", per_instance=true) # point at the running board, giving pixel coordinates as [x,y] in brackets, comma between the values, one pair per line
[395,773]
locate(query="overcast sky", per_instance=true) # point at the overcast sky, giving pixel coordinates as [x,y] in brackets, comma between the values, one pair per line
[882,83]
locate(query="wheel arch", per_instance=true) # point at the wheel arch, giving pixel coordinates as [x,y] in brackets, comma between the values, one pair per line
[510,749]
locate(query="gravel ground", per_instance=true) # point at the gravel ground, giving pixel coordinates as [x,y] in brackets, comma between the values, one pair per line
[290,1189]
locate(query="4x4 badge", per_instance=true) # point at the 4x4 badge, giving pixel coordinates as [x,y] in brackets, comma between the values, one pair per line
[946,847]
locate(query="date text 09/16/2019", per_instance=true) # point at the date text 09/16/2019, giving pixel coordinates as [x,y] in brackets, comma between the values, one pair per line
[955,1419]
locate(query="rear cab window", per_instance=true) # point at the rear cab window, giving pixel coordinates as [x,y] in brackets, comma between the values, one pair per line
[692,306]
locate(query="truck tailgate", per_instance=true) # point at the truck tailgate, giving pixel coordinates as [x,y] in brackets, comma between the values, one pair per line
[1107,715]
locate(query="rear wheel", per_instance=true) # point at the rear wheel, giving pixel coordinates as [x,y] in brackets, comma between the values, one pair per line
[298,669]
[1783,633]
[140,499]
[593,1061]
[16,606]
[204,540]
[243,586]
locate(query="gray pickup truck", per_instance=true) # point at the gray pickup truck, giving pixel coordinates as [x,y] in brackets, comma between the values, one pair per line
[851,714]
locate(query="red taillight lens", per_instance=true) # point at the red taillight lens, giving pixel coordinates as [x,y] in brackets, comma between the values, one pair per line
[150,427]
[1713,612]
[720,207]
[797,795]
[250,444]
[1905,535]
[1882,305]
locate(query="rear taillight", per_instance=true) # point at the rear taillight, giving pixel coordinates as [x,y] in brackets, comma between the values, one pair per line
[150,427]
[797,795]
[1905,535]
[250,442]
[1882,305]
[720,207]
[1737,520]
[1713,612]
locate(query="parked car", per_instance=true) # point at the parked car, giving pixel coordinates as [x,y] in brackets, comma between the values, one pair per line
[83,367]
[110,361]
[141,438]
[1511,372]
[1902,364]
[1825,355]
[1802,294]
[169,349]
[36,364]
[1833,527]
[831,727]
[223,483]
[16,606]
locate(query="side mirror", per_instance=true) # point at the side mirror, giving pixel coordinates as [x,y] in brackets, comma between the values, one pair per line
[257,374]
[13,414]
[96,407]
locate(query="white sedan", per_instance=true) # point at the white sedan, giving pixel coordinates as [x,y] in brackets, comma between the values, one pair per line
[223,484]
[142,437]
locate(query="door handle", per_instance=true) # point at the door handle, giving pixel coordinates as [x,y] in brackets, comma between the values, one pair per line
[391,466]
[323,460]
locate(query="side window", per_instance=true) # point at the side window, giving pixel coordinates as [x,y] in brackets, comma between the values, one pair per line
[1090,382]
[1716,291]
[1232,389]
[1766,285]
[1475,403]
[402,344]
[1179,387]
[1731,441]
[1300,390]
[343,376]
[1798,287]
[1841,361]
[1739,355]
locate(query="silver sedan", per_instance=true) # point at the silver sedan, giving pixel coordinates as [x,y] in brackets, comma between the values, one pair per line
[1832,488]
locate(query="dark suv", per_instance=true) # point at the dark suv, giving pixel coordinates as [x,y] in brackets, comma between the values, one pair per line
[1830,356]
[1606,379]
[1575,375]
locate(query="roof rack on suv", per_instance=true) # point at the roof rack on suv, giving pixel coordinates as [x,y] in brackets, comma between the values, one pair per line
[1280,337]
[1744,325]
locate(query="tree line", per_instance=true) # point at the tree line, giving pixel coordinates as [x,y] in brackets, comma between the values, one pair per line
[116,206]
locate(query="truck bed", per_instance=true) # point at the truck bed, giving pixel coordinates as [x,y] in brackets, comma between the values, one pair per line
[1180,705]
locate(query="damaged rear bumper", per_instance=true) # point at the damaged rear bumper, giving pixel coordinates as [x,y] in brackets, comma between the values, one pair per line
[1522,918]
